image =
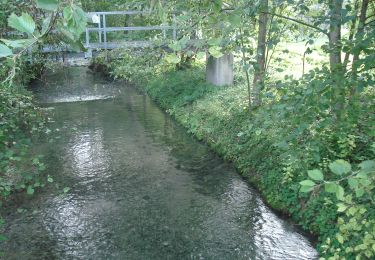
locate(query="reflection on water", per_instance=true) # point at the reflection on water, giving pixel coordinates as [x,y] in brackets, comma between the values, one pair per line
[141,188]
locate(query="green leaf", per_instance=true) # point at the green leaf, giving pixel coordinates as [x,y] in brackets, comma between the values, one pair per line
[23,23]
[215,51]
[330,187]
[367,166]
[76,20]
[176,46]
[316,175]
[201,55]
[359,193]
[307,183]
[365,182]
[49,179]
[17,43]
[305,189]
[66,189]
[340,167]
[68,12]
[340,238]
[5,51]
[214,42]
[353,183]
[307,186]
[46,23]
[340,192]
[341,207]
[172,58]
[30,190]
[50,5]
[363,174]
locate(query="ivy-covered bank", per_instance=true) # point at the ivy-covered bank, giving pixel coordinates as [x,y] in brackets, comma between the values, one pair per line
[285,148]
[22,122]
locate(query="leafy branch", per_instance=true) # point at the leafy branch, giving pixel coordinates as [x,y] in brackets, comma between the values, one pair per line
[299,22]
[72,16]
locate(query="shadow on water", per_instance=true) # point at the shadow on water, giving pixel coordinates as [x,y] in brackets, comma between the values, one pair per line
[141,188]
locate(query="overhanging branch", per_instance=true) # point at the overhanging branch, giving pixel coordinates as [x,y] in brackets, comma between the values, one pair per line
[299,22]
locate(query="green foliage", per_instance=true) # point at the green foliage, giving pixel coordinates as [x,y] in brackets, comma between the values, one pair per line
[23,23]
[5,51]
[72,24]
[316,175]
[76,20]
[135,67]
[340,167]
[354,190]
[50,5]
[22,122]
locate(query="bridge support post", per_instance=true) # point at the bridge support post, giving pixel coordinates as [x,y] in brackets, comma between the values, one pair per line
[88,54]
[219,71]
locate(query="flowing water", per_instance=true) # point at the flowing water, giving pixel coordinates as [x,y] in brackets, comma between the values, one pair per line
[140,187]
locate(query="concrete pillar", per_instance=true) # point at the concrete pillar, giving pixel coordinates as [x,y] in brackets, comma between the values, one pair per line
[88,54]
[219,71]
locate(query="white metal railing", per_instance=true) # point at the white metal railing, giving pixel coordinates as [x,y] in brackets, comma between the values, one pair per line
[100,19]
[102,30]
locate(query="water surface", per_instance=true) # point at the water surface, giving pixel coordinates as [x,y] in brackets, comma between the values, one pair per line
[141,188]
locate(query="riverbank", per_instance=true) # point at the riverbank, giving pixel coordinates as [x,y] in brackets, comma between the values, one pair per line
[23,122]
[272,147]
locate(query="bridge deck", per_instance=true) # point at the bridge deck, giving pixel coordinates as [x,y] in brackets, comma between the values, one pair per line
[102,29]
[96,46]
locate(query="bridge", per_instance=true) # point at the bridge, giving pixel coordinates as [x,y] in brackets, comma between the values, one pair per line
[219,71]
[96,37]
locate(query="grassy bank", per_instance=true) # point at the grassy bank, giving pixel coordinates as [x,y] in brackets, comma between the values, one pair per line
[291,139]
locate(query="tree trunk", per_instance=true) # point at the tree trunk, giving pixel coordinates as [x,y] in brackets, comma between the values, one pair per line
[337,72]
[335,35]
[352,32]
[356,52]
[359,35]
[258,81]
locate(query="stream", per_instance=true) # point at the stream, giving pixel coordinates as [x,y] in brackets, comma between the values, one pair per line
[140,186]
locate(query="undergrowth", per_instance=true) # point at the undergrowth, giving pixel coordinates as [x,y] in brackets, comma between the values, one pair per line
[22,122]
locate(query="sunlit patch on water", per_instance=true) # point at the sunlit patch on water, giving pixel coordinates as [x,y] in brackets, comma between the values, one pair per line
[77,99]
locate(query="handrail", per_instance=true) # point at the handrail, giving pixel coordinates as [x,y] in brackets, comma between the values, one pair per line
[126,12]
[134,28]
[118,12]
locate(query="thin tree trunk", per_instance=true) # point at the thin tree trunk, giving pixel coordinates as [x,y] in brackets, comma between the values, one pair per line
[303,63]
[335,58]
[360,31]
[246,69]
[352,32]
[335,35]
[356,53]
[258,81]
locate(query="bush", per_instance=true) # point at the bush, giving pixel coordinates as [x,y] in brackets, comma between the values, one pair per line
[22,122]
